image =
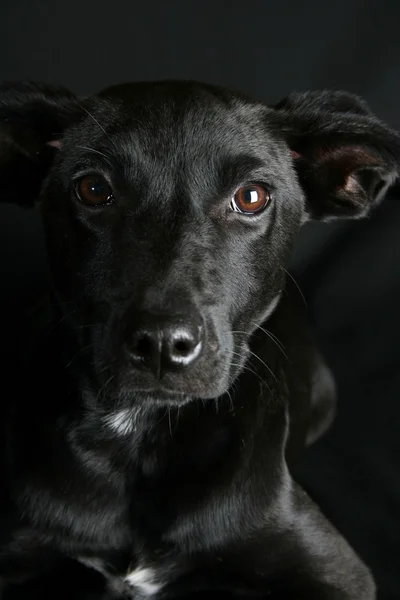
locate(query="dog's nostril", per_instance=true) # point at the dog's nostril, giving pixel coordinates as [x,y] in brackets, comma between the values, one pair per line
[143,346]
[183,347]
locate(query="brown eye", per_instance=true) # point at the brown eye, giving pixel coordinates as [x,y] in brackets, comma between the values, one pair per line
[250,199]
[94,190]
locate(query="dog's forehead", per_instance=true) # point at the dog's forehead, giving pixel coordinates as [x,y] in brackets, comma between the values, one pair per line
[182,116]
[175,135]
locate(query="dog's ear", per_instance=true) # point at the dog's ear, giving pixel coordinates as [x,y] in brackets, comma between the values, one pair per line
[33,117]
[346,158]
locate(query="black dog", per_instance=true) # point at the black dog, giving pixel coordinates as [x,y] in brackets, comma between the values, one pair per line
[171,379]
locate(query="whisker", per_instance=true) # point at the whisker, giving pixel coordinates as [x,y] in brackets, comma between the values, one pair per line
[269,334]
[216,404]
[64,317]
[274,339]
[95,152]
[162,417]
[178,414]
[86,326]
[246,368]
[75,356]
[169,421]
[261,361]
[107,159]
[296,284]
[231,401]
[102,388]
[94,119]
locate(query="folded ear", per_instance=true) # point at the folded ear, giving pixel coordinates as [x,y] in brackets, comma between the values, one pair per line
[33,117]
[346,158]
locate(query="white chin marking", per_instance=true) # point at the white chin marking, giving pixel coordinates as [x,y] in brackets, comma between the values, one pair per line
[123,421]
[143,579]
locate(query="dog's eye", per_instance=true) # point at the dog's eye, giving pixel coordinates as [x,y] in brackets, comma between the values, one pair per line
[250,199]
[94,190]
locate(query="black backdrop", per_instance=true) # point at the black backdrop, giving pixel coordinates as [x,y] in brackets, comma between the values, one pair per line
[350,274]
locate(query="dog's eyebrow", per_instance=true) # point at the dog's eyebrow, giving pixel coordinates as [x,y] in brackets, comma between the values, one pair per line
[88,150]
[93,150]
[239,168]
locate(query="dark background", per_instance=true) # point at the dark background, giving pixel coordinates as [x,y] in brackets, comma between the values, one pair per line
[349,273]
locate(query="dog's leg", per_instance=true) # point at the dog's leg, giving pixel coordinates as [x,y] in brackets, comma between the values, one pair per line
[298,555]
[322,564]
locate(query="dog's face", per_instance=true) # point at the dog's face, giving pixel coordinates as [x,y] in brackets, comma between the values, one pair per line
[168,234]
[170,212]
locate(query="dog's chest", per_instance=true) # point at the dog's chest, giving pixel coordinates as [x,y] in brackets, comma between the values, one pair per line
[141,582]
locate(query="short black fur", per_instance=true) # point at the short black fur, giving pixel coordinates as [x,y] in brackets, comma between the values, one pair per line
[170,380]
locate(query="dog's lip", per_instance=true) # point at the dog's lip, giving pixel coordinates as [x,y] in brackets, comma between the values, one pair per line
[161,393]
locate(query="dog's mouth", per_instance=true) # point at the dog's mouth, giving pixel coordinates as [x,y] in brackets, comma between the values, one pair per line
[181,393]
[157,396]
[121,382]
[129,387]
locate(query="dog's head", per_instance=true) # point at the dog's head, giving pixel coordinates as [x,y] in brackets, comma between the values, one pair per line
[170,212]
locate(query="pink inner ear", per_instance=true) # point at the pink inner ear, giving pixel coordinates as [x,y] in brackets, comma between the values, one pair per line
[55,144]
[295,154]
[351,184]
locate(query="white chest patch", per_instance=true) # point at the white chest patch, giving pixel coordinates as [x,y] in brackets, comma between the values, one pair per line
[144,580]
[94,563]
[123,422]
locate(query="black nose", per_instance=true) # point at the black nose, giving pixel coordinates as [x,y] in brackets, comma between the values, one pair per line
[165,343]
